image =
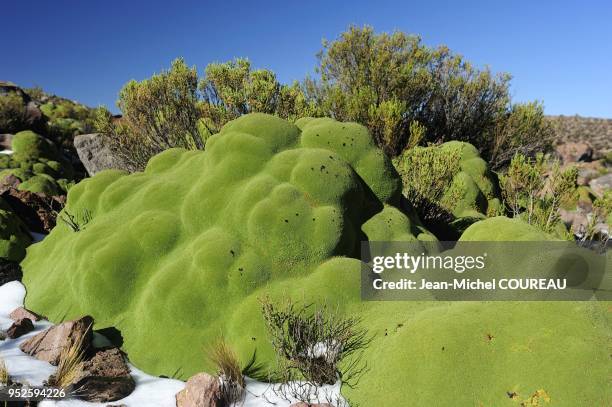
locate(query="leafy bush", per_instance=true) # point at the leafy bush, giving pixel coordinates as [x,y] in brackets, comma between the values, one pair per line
[158,113]
[387,81]
[535,192]
[404,92]
[233,88]
[12,112]
[426,173]
[602,213]
[449,185]
[524,129]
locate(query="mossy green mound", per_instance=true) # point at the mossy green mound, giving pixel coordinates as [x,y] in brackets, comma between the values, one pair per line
[28,145]
[186,241]
[179,255]
[503,229]
[14,237]
[38,164]
[473,191]
[42,183]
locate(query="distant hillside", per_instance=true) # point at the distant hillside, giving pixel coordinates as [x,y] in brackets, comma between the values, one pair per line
[598,132]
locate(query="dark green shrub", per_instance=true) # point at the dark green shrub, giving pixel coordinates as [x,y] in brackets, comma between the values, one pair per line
[449,185]
[534,191]
[524,129]
[388,81]
[12,112]
[158,113]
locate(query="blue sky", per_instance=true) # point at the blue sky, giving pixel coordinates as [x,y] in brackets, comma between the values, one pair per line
[559,52]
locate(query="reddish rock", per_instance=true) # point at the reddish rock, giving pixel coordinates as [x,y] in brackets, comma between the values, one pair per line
[10,181]
[49,344]
[103,378]
[202,390]
[575,152]
[21,313]
[38,211]
[20,328]
[6,141]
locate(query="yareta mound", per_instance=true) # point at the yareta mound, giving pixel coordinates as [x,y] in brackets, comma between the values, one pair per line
[14,236]
[179,255]
[38,164]
[175,250]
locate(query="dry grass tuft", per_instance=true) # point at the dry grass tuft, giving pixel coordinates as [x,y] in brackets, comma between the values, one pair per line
[69,365]
[229,371]
[5,378]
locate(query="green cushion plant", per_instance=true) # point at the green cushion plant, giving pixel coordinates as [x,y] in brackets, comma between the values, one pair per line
[179,255]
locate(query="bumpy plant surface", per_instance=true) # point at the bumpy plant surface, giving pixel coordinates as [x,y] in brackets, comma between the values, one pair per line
[14,237]
[178,256]
[38,164]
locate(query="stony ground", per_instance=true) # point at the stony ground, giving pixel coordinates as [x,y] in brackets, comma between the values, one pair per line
[595,131]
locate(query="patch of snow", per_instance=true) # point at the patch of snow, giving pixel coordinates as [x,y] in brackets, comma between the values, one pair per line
[7,152]
[324,350]
[150,391]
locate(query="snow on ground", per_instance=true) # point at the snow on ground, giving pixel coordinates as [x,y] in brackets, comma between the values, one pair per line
[8,152]
[150,391]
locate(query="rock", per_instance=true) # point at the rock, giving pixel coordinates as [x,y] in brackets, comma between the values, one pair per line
[2,335]
[201,390]
[105,377]
[94,155]
[9,271]
[20,328]
[302,404]
[574,152]
[20,313]
[49,344]
[6,141]
[33,117]
[589,171]
[10,181]
[37,210]
[601,184]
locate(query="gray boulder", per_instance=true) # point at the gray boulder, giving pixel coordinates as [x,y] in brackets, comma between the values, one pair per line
[95,155]
[602,184]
